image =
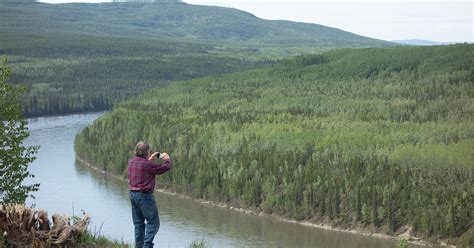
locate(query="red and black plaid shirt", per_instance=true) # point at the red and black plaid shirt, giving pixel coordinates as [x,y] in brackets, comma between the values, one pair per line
[142,172]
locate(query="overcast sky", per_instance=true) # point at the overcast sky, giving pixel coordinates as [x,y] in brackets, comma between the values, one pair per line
[434,20]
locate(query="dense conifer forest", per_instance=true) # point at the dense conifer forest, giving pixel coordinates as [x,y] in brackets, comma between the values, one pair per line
[88,73]
[81,57]
[379,138]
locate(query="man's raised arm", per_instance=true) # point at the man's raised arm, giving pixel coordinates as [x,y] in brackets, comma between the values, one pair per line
[161,168]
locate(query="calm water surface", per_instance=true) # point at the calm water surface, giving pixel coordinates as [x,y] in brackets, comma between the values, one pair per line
[67,186]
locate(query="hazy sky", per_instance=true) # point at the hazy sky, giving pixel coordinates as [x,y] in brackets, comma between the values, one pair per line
[383,19]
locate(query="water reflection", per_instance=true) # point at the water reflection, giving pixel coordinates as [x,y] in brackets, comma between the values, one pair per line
[252,231]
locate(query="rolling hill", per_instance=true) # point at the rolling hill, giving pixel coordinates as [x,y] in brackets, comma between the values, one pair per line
[85,57]
[170,19]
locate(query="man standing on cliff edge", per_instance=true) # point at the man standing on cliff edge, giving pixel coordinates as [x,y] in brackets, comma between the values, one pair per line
[141,179]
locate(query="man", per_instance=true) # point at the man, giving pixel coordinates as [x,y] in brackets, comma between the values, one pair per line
[141,178]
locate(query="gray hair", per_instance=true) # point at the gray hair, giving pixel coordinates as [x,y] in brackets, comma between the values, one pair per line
[141,149]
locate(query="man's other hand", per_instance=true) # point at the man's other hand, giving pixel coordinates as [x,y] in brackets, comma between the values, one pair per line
[165,156]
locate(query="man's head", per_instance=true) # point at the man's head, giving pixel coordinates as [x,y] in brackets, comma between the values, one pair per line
[141,149]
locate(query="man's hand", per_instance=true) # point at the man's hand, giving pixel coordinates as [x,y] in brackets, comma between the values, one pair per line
[153,156]
[165,156]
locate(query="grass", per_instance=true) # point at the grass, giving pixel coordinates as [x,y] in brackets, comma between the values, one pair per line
[94,239]
[89,239]
[198,244]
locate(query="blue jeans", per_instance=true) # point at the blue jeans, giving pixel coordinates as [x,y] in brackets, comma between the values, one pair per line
[144,209]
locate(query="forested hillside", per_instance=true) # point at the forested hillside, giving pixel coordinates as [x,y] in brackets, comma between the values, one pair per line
[378,138]
[66,74]
[86,57]
[170,19]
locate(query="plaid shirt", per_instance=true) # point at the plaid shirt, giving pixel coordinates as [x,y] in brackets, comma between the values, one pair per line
[142,172]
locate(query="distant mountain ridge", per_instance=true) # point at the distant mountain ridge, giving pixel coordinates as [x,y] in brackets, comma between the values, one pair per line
[171,19]
[419,42]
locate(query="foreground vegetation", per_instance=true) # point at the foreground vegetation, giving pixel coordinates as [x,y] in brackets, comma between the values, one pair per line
[380,138]
[22,226]
[89,239]
[14,156]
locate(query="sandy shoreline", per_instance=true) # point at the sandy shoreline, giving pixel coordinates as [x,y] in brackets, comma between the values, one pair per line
[406,235]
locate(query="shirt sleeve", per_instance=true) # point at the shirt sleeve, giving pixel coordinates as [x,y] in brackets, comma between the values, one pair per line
[160,168]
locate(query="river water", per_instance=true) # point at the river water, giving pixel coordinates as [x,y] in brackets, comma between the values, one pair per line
[67,186]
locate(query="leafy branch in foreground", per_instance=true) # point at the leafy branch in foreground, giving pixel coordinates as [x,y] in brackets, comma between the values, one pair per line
[14,157]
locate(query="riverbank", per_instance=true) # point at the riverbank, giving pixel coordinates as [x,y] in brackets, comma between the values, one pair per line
[317,223]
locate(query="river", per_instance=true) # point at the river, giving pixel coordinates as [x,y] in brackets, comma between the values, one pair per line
[68,186]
